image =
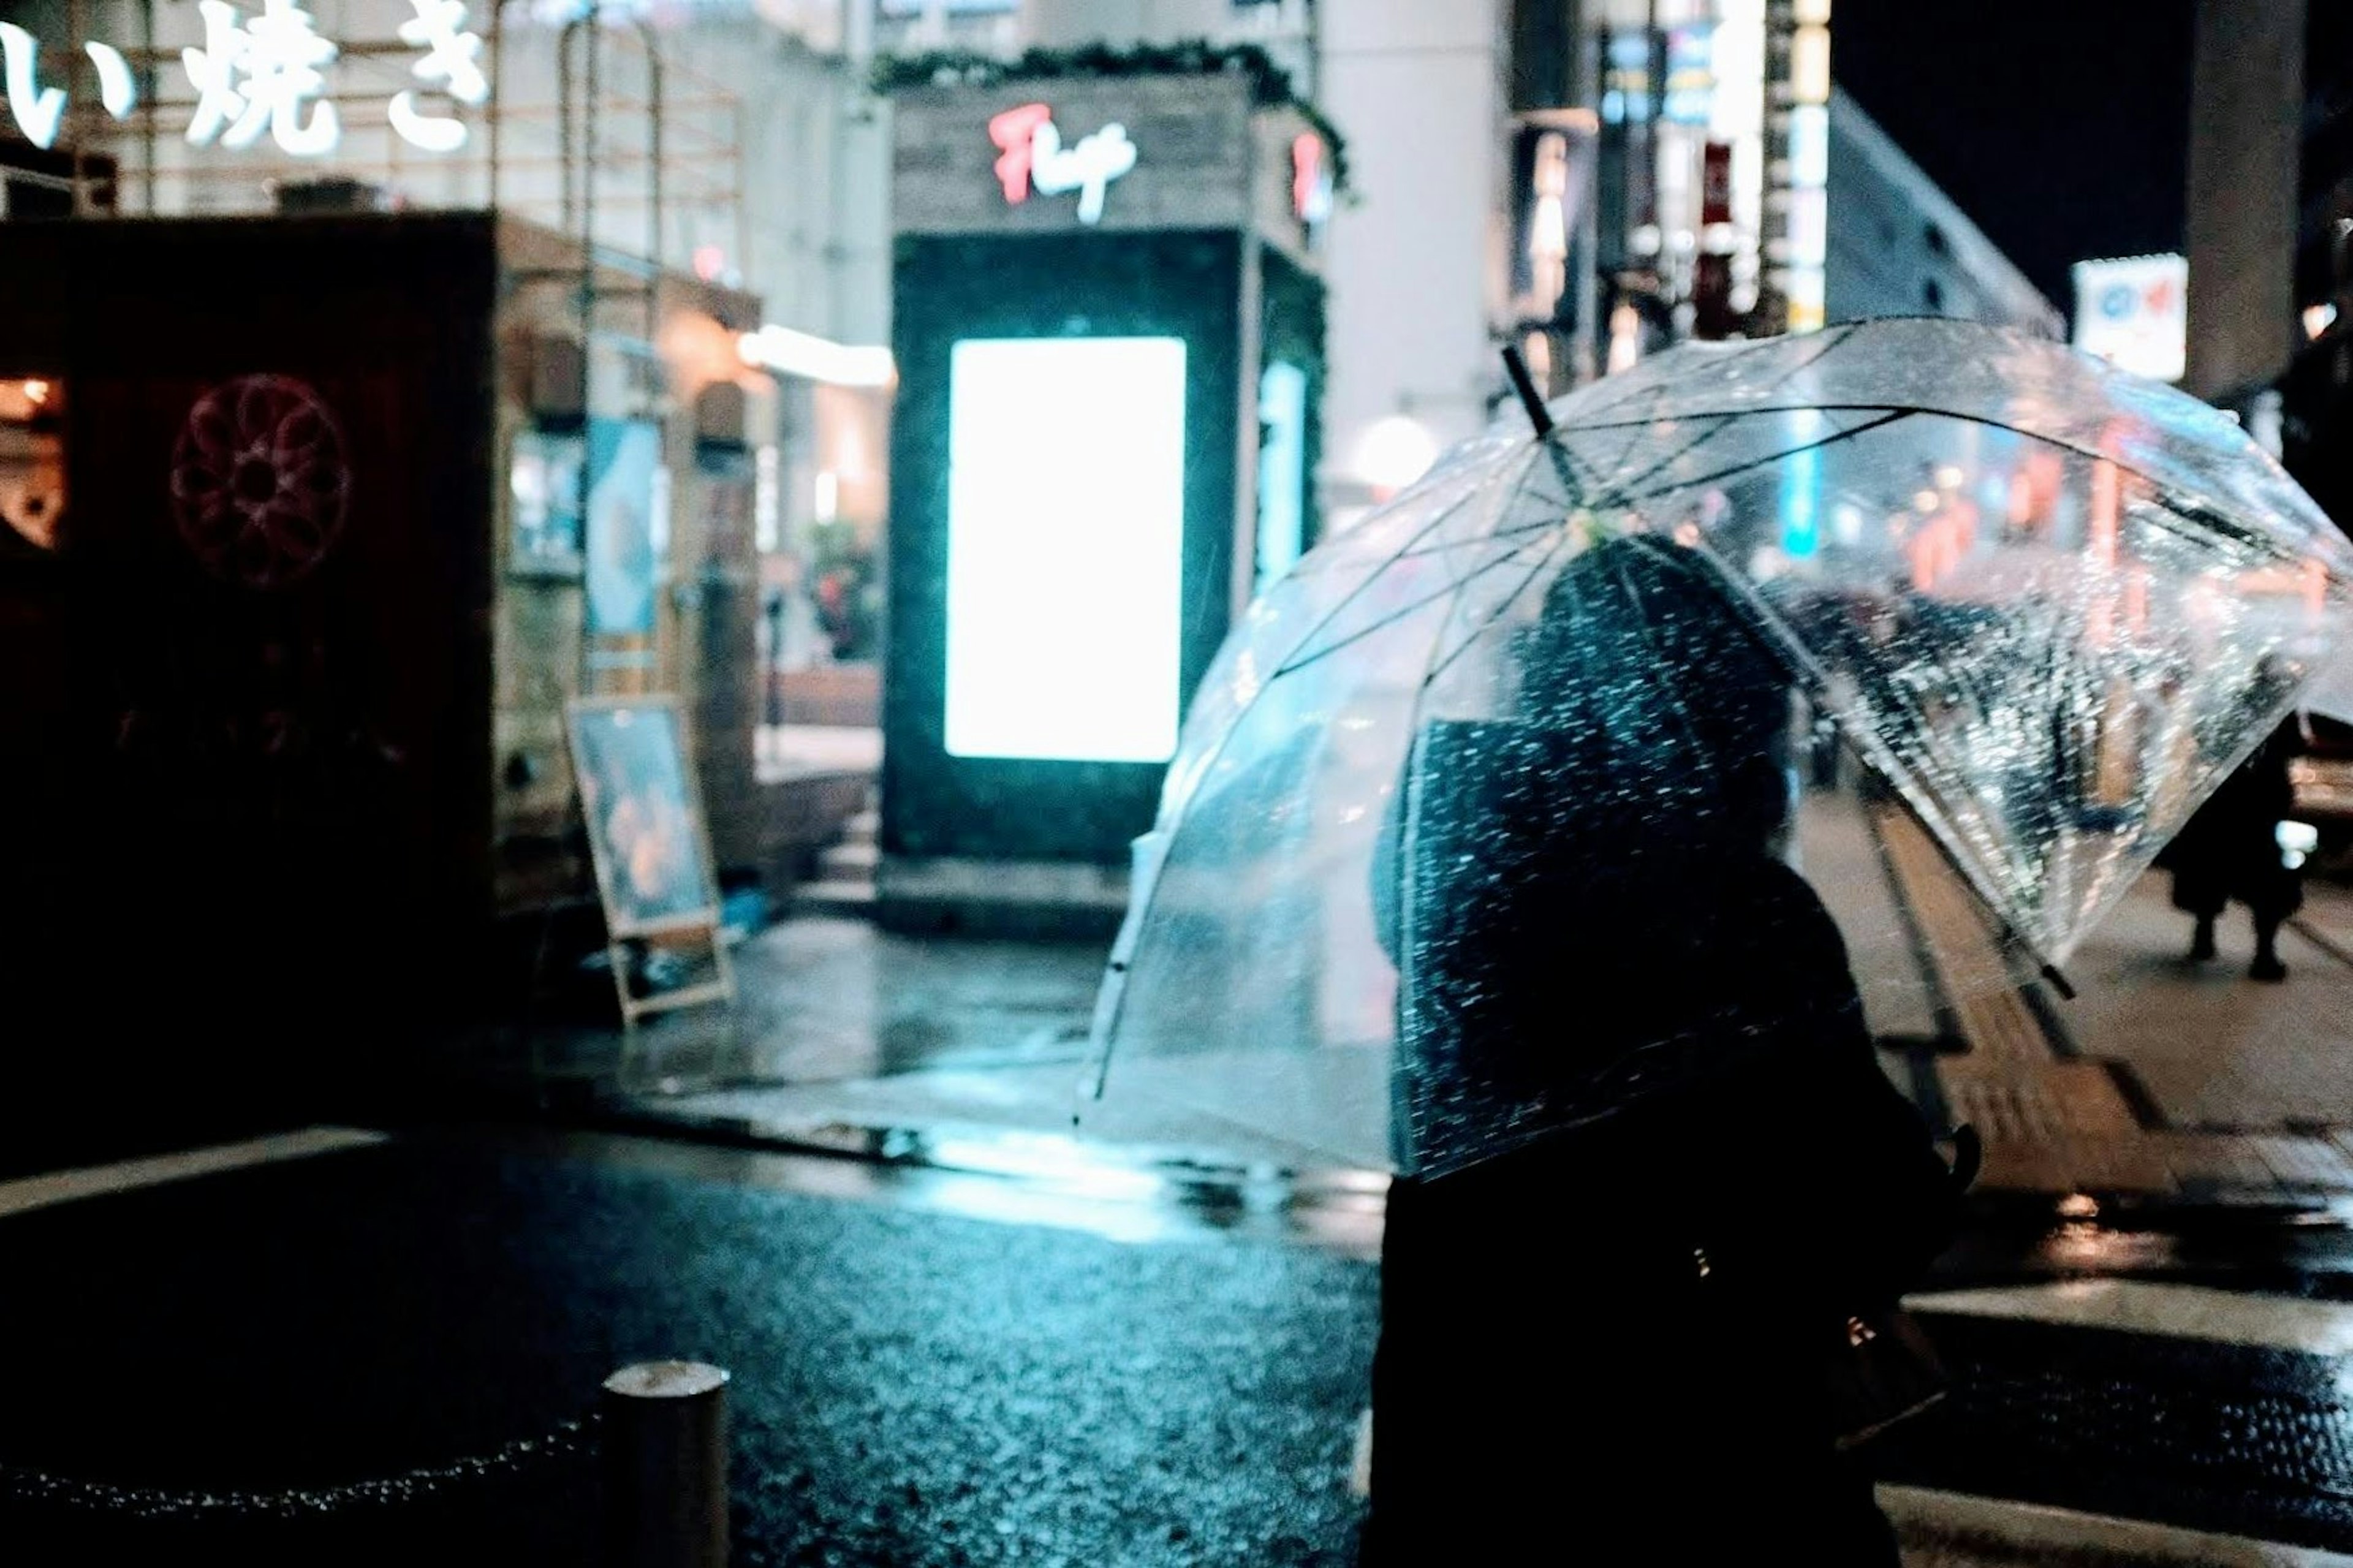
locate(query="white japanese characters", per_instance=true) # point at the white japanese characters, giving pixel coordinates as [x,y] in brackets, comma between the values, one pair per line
[116,89]
[452,59]
[38,109]
[258,75]
[269,72]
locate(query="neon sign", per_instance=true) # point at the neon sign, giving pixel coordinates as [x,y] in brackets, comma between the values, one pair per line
[1311,179]
[268,72]
[1031,157]
[37,108]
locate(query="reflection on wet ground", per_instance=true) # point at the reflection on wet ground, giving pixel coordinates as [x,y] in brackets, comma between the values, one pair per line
[911,1387]
[2215,1436]
[821,1000]
[988,1351]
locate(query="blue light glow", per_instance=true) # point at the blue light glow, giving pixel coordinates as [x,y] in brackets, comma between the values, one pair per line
[1801,501]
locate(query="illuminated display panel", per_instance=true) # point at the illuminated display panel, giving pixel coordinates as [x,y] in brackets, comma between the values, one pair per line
[1281,470]
[1066,531]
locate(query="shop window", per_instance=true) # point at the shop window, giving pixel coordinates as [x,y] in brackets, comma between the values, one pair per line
[544,488]
[33,458]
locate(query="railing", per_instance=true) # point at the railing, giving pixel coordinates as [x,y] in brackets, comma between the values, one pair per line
[648,1467]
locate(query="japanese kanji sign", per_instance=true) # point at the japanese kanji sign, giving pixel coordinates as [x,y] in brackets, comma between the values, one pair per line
[268,72]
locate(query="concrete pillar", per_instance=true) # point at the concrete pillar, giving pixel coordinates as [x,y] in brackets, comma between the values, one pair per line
[2246,114]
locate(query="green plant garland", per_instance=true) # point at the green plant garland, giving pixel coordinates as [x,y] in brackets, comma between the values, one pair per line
[1270,83]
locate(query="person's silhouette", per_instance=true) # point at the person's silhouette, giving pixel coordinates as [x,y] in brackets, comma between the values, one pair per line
[2231,850]
[1608,1335]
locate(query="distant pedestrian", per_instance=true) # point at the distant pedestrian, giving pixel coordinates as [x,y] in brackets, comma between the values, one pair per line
[1612,1341]
[2230,851]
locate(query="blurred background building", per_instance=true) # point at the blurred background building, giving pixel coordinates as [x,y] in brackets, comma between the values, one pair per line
[1588,180]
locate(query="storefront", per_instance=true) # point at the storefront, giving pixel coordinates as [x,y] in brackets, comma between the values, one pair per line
[1108,322]
[737,144]
[298,578]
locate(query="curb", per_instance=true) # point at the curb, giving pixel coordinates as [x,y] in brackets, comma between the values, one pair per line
[1949,1530]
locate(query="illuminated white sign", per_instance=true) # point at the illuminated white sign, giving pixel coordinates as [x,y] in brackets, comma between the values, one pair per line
[1031,157]
[1548,225]
[2135,313]
[36,109]
[1281,470]
[1066,539]
[453,61]
[262,74]
[268,72]
[812,358]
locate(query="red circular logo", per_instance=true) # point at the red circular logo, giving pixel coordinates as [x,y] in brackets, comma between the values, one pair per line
[260,481]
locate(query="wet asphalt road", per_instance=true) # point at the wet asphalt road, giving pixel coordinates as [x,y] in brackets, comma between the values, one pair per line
[912,1386]
[2227,1438]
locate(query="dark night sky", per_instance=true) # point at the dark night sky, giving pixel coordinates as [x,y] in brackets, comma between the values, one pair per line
[2060,126]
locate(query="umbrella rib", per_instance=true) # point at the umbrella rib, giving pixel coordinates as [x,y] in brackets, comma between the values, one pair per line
[1760,409]
[1721,423]
[1350,597]
[1517,531]
[2173,501]
[1688,448]
[1831,339]
[1446,662]
[1623,496]
[1565,466]
[1754,463]
[1293,666]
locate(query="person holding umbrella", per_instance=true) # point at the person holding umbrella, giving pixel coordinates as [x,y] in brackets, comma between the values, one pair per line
[1610,1343]
[1650,1184]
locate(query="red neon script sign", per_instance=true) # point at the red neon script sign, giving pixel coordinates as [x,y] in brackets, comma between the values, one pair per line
[1311,181]
[1031,157]
[1014,132]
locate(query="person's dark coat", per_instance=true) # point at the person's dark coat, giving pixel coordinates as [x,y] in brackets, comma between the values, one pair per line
[1607,1344]
[2230,849]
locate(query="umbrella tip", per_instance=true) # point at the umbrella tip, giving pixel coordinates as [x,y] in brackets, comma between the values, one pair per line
[1526,385]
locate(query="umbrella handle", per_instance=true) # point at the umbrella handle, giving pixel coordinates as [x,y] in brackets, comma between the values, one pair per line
[1524,384]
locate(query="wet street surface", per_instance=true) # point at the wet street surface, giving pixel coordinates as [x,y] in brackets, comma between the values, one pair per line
[910,1387]
[2224,1437]
[1104,1379]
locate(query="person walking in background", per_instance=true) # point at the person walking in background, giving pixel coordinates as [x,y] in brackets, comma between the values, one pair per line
[2230,851]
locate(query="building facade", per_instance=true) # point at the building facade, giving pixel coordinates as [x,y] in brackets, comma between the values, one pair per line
[734,141]
[1898,247]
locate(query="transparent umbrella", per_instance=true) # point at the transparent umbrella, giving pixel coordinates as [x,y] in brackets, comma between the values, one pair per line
[2049,606]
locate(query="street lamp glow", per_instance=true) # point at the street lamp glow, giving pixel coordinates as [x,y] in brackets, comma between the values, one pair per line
[1393,452]
[812,358]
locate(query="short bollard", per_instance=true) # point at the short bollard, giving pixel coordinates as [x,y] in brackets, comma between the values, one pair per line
[665,1445]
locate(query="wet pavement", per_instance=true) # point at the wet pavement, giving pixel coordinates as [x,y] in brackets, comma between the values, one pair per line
[911,1387]
[2159,1085]
[2252,1441]
[962,1334]
[935,1368]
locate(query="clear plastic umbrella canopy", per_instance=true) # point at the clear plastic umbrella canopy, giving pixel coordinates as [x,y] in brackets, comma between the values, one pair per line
[2046,606]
